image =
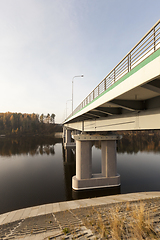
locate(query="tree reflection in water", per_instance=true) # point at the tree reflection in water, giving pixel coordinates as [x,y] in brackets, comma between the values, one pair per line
[28,145]
[132,142]
[137,141]
[143,141]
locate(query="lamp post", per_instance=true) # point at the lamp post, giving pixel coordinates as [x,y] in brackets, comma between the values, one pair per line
[72,89]
[66,106]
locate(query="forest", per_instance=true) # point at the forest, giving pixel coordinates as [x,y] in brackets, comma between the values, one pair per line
[32,124]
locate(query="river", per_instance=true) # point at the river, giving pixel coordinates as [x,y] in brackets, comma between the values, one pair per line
[33,171]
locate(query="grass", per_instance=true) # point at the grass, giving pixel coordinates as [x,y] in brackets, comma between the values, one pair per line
[142,226]
[66,230]
[132,222]
[117,224]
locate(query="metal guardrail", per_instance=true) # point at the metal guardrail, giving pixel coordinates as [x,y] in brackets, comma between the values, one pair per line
[145,47]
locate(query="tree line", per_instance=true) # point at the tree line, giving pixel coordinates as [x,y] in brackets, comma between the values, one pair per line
[18,123]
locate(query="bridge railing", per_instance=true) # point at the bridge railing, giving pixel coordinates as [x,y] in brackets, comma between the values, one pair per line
[145,47]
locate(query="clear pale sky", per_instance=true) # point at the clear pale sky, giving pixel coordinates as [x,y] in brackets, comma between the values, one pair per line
[45,43]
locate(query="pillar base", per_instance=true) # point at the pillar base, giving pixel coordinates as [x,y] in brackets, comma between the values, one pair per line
[95,182]
[96,192]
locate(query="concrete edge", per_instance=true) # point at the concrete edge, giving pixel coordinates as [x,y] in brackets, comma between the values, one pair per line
[24,213]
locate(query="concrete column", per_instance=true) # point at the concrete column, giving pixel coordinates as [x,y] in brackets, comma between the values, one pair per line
[68,136]
[108,157]
[84,178]
[64,135]
[83,159]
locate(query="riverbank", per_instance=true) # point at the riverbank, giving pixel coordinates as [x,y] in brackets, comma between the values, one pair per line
[112,217]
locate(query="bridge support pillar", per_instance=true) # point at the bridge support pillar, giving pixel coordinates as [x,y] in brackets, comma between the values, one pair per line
[109,158]
[83,159]
[84,178]
[67,141]
[68,135]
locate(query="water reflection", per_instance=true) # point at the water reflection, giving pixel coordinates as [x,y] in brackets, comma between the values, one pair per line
[28,145]
[29,180]
[69,162]
[143,141]
[36,171]
[137,141]
[132,142]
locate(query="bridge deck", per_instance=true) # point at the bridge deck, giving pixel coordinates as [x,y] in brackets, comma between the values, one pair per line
[128,95]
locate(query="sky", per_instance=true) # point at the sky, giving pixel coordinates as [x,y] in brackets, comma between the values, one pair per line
[44,44]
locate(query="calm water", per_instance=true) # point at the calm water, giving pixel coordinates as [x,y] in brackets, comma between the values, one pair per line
[34,171]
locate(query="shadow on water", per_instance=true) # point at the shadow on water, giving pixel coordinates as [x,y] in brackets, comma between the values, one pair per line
[69,161]
[96,193]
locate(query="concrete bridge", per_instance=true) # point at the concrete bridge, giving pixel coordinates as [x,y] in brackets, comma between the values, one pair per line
[128,98]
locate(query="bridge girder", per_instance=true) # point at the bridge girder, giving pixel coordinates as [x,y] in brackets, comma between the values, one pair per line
[140,120]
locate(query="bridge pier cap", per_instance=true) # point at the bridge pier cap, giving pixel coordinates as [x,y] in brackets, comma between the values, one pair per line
[94,137]
[108,177]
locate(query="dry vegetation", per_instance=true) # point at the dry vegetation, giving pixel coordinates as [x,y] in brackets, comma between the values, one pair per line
[136,224]
[134,221]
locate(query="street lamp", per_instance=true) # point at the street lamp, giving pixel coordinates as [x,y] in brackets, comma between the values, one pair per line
[72,88]
[66,106]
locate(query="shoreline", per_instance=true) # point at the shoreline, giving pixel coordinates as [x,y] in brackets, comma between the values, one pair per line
[78,208]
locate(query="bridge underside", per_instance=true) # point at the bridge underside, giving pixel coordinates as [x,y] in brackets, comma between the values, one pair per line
[136,109]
